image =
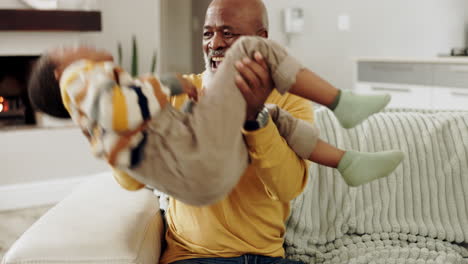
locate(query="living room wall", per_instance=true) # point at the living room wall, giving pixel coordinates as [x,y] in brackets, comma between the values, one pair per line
[120,20]
[33,155]
[11,4]
[379,28]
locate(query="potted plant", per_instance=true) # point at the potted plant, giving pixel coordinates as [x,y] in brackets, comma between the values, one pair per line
[134,59]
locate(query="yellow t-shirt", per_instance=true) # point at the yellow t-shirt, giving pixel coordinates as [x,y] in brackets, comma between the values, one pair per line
[251,219]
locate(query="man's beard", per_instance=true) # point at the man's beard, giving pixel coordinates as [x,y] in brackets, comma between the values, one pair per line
[209,72]
[207,78]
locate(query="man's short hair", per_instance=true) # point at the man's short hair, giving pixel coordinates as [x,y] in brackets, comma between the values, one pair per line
[44,89]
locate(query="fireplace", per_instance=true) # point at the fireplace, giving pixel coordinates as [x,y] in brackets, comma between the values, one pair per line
[15,107]
[24,35]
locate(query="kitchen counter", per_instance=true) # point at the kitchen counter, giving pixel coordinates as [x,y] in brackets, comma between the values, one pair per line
[424,83]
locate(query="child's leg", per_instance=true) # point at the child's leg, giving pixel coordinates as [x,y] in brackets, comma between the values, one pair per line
[326,154]
[356,168]
[349,108]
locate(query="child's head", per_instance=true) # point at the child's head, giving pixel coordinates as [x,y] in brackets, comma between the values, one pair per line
[44,89]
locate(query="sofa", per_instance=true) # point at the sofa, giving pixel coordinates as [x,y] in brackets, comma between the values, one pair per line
[419,214]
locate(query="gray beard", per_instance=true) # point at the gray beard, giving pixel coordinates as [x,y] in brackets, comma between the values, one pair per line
[207,77]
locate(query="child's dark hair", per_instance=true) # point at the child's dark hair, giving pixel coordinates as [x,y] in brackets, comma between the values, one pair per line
[44,89]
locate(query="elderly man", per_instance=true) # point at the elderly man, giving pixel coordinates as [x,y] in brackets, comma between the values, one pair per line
[248,224]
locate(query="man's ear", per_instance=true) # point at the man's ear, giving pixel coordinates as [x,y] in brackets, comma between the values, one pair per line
[263,33]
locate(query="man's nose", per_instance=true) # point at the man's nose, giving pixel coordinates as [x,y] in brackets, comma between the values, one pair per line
[218,42]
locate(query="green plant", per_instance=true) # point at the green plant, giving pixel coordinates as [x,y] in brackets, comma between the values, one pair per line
[134,59]
[154,62]
[119,53]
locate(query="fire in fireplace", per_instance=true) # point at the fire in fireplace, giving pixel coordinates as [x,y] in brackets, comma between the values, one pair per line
[15,108]
[3,105]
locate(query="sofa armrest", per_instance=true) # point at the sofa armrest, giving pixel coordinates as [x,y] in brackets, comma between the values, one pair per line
[98,223]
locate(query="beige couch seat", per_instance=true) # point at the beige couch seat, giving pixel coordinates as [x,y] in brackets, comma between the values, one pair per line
[98,223]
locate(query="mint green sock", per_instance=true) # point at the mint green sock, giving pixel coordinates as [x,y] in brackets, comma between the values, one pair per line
[353,108]
[359,168]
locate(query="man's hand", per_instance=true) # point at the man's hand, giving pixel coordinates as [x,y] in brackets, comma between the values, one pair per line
[255,83]
[188,87]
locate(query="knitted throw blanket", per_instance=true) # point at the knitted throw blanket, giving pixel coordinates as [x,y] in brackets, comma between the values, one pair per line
[419,214]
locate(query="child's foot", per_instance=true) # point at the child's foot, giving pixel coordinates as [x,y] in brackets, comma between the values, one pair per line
[353,108]
[358,168]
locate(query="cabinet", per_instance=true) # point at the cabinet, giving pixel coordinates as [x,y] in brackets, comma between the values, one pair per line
[424,84]
[450,98]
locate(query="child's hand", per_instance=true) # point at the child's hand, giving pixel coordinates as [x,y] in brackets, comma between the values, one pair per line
[188,87]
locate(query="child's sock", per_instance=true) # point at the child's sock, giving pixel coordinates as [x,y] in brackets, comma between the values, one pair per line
[358,168]
[351,109]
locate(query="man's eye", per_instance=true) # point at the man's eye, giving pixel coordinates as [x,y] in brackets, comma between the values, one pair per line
[228,34]
[207,35]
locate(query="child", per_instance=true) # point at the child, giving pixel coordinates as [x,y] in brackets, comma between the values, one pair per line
[195,157]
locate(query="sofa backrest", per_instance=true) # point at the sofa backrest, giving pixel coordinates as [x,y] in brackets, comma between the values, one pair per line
[426,196]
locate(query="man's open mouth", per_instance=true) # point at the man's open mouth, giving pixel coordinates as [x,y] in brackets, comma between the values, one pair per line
[215,62]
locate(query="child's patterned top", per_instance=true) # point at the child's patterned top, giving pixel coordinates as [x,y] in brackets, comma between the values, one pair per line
[112,109]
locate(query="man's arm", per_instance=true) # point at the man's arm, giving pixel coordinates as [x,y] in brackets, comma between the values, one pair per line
[280,169]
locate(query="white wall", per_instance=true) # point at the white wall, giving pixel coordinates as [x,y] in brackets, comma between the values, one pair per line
[401,28]
[33,155]
[120,20]
[12,4]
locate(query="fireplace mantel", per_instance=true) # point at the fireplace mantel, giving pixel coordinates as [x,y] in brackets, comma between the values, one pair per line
[26,32]
[49,20]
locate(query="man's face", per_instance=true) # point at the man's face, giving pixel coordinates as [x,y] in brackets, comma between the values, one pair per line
[224,24]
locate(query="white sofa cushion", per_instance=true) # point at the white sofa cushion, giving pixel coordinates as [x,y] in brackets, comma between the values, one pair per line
[98,223]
